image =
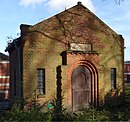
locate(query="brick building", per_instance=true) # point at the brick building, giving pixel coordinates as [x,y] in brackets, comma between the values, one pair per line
[127,71]
[4,76]
[72,54]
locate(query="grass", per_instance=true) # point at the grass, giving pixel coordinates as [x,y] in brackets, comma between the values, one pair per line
[127,99]
[127,94]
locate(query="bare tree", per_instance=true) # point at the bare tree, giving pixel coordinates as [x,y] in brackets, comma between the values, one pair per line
[117,1]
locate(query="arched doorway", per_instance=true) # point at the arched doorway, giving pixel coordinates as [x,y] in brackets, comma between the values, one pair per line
[81,88]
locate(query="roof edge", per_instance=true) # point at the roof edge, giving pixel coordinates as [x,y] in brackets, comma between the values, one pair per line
[12,44]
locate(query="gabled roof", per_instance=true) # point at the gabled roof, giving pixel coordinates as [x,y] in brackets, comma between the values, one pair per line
[127,62]
[3,57]
[26,28]
[80,6]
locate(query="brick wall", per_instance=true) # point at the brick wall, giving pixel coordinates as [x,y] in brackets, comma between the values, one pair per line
[4,79]
[75,59]
[44,43]
[127,72]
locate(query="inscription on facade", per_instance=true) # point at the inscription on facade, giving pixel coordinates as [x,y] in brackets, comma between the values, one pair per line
[80,47]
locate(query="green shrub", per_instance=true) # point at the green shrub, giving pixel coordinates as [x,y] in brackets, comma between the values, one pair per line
[92,115]
[17,114]
[59,113]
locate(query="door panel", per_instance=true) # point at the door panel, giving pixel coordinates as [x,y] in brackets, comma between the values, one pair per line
[81,88]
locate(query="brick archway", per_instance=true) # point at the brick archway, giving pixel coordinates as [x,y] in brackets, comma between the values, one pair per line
[92,66]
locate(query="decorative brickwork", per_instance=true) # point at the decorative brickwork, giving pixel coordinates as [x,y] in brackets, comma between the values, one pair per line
[91,61]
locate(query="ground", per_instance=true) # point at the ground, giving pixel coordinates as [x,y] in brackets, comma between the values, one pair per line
[127,97]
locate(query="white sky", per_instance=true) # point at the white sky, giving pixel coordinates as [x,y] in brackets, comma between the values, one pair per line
[16,12]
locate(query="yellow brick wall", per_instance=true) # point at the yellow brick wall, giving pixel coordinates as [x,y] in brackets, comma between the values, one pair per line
[46,40]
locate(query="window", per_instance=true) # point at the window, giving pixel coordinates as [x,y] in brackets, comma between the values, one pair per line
[128,78]
[113,78]
[41,81]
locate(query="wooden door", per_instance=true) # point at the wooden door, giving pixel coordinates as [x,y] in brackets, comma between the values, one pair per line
[81,88]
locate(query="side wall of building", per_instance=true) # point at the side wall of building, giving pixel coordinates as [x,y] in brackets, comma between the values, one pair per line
[13,91]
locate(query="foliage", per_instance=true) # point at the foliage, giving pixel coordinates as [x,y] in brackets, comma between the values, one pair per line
[127,93]
[92,115]
[107,112]
[60,114]
[17,114]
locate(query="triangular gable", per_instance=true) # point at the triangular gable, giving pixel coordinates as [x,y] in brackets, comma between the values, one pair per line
[71,10]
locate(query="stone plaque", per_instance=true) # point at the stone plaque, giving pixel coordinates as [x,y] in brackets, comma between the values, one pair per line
[80,47]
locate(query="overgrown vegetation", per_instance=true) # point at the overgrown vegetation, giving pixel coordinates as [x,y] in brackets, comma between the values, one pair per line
[127,93]
[59,113]
[91,114]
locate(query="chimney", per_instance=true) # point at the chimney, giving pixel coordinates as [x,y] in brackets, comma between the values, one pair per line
[79,3]
[24,28]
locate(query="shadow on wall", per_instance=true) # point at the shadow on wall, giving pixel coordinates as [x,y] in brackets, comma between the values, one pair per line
[59,90]
[58,107]
[113,98]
